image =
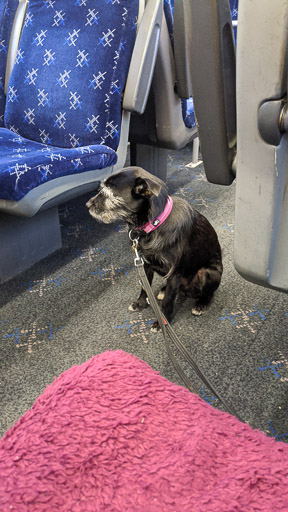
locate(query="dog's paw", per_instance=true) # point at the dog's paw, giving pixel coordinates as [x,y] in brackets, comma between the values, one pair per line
[198,310]
[137,306]
[155,327]
[161,295]
[134,306]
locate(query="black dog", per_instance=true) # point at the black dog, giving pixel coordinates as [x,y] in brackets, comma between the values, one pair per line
[184,248]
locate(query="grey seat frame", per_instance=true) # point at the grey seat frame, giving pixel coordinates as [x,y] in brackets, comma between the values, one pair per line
[261,202]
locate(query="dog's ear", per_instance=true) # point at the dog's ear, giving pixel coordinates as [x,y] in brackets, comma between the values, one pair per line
[146,188]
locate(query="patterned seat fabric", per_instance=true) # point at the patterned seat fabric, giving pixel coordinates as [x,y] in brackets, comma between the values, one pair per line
[188,113]
[25,164]
[7,12]
[187,105]
[234,15]
[65,91]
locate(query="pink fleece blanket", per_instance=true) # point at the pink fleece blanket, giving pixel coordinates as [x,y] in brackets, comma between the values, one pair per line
[112,435]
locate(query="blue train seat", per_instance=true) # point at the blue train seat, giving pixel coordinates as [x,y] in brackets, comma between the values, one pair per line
[69,97]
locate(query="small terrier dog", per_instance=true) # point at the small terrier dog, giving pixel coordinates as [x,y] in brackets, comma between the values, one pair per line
[179,244]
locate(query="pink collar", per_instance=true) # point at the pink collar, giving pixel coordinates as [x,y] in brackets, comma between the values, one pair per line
[155,223]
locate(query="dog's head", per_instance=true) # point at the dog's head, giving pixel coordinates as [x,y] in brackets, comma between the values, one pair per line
[132,194]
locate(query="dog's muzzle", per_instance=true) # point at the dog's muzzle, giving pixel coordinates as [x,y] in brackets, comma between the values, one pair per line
[104,216]
[89,203]
[93,210]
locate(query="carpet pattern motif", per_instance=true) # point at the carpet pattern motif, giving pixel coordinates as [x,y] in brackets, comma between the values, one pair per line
[74,305]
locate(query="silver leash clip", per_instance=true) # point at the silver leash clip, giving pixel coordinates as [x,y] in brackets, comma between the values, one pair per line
[138,261]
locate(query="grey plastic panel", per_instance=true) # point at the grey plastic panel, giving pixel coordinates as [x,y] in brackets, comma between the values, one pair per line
[143,58]
[183,47]
[26,241]
[151,158]
[261,212]
[170,128]
[212,60]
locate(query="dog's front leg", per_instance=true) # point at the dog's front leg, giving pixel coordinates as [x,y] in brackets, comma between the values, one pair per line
[171,290]
[141,302]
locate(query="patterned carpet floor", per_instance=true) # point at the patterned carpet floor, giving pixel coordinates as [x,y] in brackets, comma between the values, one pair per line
[74,305]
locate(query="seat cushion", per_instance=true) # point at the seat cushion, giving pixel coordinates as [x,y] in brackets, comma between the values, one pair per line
[71,68]
[7,12]
[113,435]
[25,164]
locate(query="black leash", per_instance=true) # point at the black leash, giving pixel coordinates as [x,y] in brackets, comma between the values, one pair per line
[168,332]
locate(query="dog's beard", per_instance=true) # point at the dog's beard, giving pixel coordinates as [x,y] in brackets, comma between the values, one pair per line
[106,216]
[108,207]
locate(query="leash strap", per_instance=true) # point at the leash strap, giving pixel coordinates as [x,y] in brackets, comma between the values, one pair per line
[168,332]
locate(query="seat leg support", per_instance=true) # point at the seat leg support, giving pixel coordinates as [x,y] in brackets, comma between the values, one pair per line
[24,241]
[153,159]
[195,151]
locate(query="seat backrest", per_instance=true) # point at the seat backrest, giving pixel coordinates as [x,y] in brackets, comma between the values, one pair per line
[71,67]
[7,12]
[213,62]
